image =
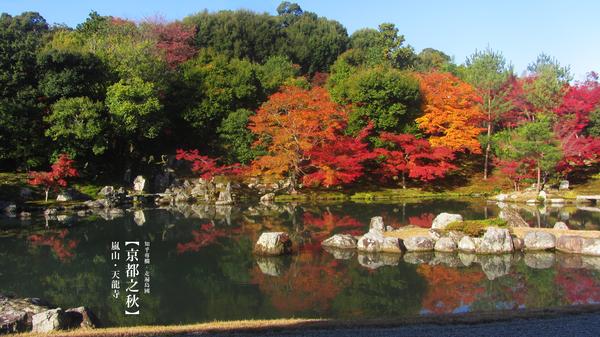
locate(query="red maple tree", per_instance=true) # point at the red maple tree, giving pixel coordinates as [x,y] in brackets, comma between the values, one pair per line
[56,177]
[416,158]
[206,166]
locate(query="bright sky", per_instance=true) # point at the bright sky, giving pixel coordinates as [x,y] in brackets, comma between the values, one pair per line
[521,29]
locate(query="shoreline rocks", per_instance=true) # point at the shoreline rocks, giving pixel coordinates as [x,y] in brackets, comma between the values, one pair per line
[273,243]
[444,219]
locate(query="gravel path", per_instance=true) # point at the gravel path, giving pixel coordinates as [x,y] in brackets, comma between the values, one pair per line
[587,324]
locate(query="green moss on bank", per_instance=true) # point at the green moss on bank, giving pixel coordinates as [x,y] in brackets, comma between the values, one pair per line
[476,228]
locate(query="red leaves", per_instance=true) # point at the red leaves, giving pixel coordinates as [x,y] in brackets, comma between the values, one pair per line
[60,171]
[579,101]
[517,170]
[206,235]
[412,157]
[175,41]
[205,166]
[338,161]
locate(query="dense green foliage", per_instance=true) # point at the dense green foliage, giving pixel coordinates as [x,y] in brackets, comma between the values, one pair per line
[118,95]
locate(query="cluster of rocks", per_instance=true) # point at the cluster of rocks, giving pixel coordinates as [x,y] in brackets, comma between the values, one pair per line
[36,315]
[199,191]
[494,240]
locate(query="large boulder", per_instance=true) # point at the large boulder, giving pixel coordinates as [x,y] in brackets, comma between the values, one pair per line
[273,243]
[445,245]
[225,197]
[269,197]
[341,241]
[560,225]
[139,183]
[466,244]
[512,217]
[418,244]
[564,185]
[81,317]
[444,219]
[494,241]
[49,320]
[377,224]
[539,241]
[591,247]
[374,242]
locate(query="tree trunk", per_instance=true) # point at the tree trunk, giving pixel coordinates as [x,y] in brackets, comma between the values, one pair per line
[403,181]
[47,190]
[487,146]
[539,178]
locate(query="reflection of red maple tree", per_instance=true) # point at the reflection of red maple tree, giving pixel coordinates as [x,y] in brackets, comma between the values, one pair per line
[424,220]
[206,235]
[450,288]
[311,282]
[57,242]
[327,223]
[579,286]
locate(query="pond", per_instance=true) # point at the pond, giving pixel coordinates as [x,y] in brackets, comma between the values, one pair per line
[202,268]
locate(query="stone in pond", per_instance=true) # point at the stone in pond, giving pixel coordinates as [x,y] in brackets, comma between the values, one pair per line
[50,320]
[444,219]
[466,244]
[418,244]
[536,240]
[81,317]
[341,241]
[560,225]
[273,243]
[139,183]
[445,245]
[494,241]
[377,224]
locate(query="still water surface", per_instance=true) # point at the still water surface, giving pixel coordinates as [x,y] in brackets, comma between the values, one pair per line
[202,269]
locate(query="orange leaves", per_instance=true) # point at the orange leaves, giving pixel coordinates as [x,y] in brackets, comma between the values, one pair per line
[451,113]
[290,124]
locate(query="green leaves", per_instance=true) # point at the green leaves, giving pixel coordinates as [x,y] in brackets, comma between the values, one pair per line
[78,124]
[135,108]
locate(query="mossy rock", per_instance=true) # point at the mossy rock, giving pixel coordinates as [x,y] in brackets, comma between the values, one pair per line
[476,228]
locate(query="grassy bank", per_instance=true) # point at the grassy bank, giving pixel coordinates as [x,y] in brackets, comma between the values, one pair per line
[259,327]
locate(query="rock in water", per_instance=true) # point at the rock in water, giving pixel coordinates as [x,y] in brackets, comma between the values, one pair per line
[570,244]
[418,244]
[564,185]
[494,241]
[561,225]
[139,183]
[50,320]
[444,219]
[374,241]
[466,244]
[225,197]
[377,223]
[81,317]
[539,241]
[273,243]
[512,217]
[341,241]
[267,198]
[445,245]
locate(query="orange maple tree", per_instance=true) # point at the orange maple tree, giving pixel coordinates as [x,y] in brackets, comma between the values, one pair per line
[289,125]
[451,113]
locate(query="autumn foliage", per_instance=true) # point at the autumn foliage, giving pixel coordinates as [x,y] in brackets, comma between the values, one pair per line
[407,156]
[206,166]
[451,115]
[290,126]
[57,176]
